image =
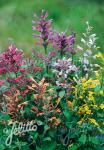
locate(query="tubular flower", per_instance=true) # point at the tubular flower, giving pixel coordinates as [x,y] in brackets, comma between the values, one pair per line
[63,69]
[11,60]
[12,64]
[47,58]
[13,103]
[63,43]
[43,27]
[1,82]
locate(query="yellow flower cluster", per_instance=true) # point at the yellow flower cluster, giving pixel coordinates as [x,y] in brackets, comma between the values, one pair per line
[89,84]
[93,121]
[84,109]
[85,87]
[100,55]
[91,96]
[102,106]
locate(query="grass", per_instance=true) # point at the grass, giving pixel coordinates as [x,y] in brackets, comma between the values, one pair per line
[70,15]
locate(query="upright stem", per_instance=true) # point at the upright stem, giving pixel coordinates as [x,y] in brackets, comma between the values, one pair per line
[45,49]
[61,53]
[47,68]
[72,58]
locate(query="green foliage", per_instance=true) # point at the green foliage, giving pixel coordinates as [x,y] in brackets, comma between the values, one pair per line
[62,95]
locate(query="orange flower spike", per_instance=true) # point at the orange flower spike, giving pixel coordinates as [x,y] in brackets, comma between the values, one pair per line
[25,91]
[17,93]
[36,96]
[31,111]
[22,104]
[30,88]
[51,90]
[40,114]
[35,83]
[34,109]
[32,79]
[10,121]
[17,100]
[55,121]
[58,101]
[41,82]
[49,98]
[70,104]
[58,110]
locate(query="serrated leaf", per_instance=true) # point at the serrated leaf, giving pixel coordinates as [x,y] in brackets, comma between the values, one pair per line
[12,74]
[2,88]
[2,147]
[97,88]
[61,94]
[49,145]
[82,139]
[94,140]
[67,114]
[47,139]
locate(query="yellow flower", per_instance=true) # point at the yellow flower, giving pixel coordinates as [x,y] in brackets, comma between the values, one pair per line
[100,55]
[90,96]
[93,121]
[94,106]
[102,106]
[84,110]
[87,110]
[97,74]
[89,84]
[101,92]
[81,97]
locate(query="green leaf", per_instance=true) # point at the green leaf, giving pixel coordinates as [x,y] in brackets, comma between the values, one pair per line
[94,140]
[97,88]
[73,147]
[39,122]
[47,139]
[12,74]
[82,139]
[67,114]
[35,135]
[5,117]
[38,148]
[2,147]
[24,66]
[46,127]
[2,88]
[47,145]
[61,94]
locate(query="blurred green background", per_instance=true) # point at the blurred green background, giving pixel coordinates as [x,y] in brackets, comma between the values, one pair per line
[16,19]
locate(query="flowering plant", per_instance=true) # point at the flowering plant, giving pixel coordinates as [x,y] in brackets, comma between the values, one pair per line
[62,90]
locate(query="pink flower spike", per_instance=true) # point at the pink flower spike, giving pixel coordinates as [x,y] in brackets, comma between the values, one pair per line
[1,82]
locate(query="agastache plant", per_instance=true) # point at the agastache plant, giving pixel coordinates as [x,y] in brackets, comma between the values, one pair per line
[63,69]
[44,29]
[13,69]
[11,60]
[63,43]
[62,95]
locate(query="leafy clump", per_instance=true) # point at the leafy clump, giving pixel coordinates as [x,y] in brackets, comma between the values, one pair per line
[61,90]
